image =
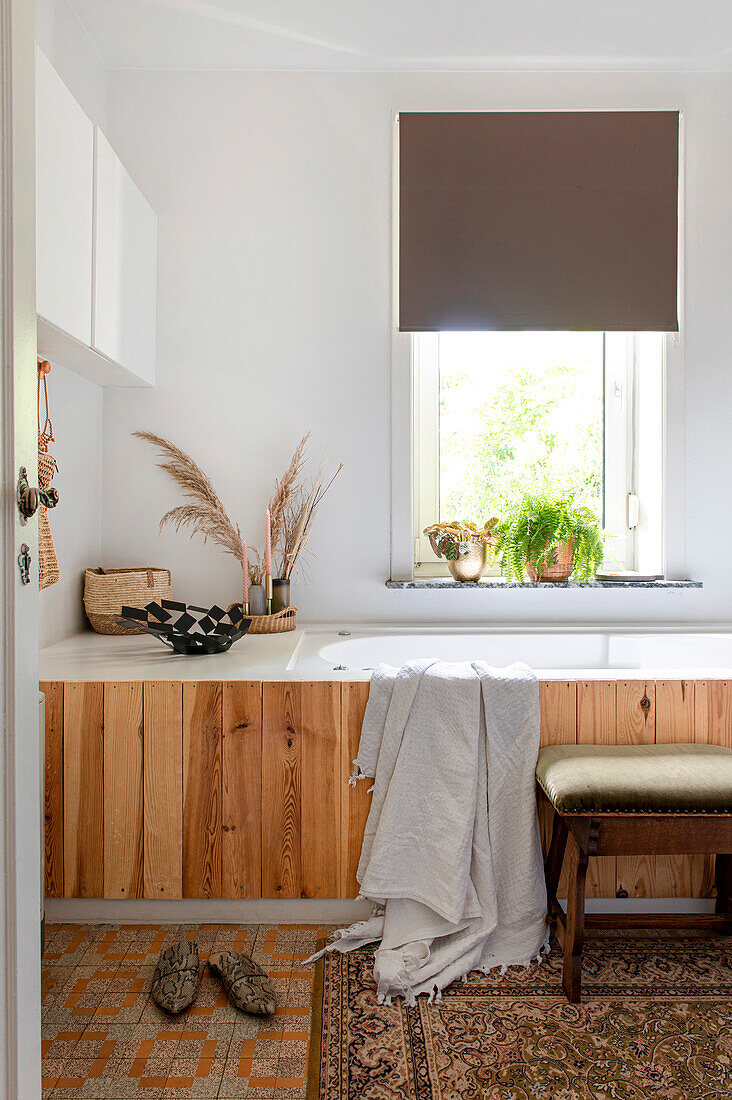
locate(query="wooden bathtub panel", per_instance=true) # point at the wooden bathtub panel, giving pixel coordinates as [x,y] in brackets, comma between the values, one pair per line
[676,876]
[241,837]
[636,725]
[83,790]
[713,726]
[596,724]
[123,844]
[54,789]
[201,790]
[163,788]
[320,771]
[355,800]
[281,790]
[557,726]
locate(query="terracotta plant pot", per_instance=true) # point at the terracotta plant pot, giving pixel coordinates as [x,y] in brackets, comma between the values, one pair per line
[470,566]
[557,569]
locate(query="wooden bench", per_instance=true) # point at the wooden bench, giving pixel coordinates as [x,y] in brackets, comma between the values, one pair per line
[633,800]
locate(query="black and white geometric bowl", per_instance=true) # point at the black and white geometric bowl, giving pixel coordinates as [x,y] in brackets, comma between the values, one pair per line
[186,628]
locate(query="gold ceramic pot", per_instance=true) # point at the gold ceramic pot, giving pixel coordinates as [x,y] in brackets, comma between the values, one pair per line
[470,566]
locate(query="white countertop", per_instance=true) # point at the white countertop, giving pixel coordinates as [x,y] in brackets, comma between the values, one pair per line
[91,656]
[325,652]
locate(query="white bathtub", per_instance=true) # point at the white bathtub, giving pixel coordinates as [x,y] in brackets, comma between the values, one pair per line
[554,654]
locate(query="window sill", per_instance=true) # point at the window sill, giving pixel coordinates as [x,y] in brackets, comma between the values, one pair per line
[494,583]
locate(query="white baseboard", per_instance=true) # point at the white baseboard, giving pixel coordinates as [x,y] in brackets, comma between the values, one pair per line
[291,910]
[205,911]
[647,905]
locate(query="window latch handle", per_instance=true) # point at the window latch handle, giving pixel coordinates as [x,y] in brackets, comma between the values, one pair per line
[633,510]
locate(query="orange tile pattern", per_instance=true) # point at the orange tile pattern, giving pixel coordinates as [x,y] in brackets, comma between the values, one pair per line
[104,1036]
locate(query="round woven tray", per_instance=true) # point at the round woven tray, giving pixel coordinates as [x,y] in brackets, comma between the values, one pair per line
[272,624]
[107,590]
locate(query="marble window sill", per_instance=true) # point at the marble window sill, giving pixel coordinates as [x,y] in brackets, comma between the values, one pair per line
[497,583]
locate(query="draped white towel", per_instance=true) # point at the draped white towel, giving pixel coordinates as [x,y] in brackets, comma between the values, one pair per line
[451,857]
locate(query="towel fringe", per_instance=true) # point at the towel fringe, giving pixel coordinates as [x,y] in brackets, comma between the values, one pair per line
[356,774]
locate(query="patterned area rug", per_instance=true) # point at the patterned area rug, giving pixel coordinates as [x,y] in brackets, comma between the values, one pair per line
[656,1021]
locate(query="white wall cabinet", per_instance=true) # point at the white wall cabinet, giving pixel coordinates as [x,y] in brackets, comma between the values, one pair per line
[64,205]
[125,266]
[96,247]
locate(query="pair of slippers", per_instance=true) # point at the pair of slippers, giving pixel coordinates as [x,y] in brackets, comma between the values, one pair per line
[177,976]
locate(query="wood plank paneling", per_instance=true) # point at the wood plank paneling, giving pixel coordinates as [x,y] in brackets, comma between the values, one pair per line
[557,726]
[241,820]
[54,789]
[163,789]
[712,726]
[636,725]
[355,800]
[202,721]
[676,876]
[83,790]
[320,770]
[281,761]
[674,711]
[123,846]
[596,724]
[713,712]
[558,712]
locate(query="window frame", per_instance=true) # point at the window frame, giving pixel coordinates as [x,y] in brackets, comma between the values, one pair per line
[401,413]
[631,545]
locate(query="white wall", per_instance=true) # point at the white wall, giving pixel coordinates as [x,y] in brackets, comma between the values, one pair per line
[76,411]
[76,405]
[73,55]
[274,198]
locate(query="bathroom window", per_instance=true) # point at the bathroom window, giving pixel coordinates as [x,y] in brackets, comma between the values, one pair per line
[497,413]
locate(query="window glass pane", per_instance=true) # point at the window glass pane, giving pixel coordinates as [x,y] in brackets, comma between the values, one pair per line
[518,411]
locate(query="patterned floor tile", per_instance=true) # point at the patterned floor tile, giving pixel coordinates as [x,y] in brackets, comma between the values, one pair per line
[104,1038]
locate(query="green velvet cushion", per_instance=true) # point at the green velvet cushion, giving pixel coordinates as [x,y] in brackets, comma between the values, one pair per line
[650,779]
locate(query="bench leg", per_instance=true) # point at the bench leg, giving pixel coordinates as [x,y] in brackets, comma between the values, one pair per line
[575,930]
[723,882]
[553,862]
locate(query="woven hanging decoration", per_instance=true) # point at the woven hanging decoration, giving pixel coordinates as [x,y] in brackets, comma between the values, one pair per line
[48,567]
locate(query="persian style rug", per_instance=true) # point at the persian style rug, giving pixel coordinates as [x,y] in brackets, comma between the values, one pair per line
[656,1021]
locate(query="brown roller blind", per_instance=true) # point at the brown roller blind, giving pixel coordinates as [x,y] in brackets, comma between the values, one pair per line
[529,220]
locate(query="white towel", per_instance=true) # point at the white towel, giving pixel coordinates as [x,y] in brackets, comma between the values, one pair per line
[451,857]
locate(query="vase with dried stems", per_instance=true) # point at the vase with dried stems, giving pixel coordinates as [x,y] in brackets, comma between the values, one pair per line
[293,507]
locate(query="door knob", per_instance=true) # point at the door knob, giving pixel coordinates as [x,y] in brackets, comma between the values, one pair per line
[29,499]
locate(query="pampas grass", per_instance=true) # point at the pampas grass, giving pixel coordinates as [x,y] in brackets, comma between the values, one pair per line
[205,515]
[293,507]
[287,489]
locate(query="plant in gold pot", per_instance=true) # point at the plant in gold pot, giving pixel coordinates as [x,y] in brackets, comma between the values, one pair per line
[549,538]
[463,546]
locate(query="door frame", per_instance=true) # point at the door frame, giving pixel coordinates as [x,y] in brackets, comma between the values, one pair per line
[20,762]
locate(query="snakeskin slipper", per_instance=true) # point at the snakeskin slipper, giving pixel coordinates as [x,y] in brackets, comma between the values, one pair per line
[246,984]
[176,978]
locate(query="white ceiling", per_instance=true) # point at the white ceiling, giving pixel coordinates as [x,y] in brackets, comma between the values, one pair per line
[404,35]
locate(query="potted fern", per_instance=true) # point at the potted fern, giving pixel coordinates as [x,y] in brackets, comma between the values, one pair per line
[549,538]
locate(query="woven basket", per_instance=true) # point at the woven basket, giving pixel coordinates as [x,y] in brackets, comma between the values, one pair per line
[106,590]
[48,568]
[272,624]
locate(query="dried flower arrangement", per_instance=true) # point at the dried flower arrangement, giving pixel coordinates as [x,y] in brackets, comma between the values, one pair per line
[292,508]
[206,515]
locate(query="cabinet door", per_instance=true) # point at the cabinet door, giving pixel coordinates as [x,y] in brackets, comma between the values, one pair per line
[64,205]
[125,267]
